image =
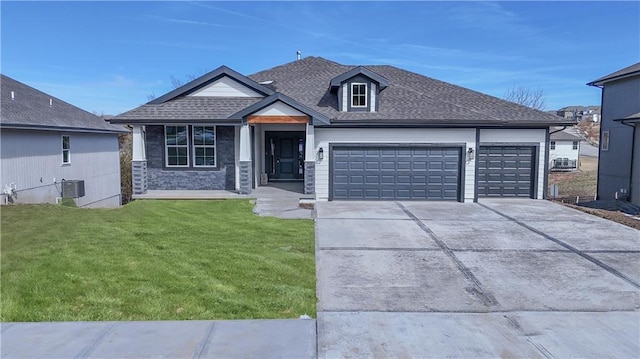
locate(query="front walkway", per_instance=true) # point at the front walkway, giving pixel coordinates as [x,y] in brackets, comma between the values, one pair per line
[278,199]
[272,190]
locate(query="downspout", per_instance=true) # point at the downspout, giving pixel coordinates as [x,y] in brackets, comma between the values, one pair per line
[599,139]
[633,145]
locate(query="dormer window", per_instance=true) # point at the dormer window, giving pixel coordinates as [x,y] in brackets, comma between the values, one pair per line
[358,95]
[358,90]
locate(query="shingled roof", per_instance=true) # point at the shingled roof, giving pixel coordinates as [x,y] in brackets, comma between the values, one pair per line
[409,99]
[633,70]
[24,107]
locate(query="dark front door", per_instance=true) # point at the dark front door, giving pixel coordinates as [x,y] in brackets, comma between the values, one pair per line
[284,155]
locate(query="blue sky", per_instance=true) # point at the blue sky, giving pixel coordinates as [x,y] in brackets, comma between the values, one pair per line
[107,57]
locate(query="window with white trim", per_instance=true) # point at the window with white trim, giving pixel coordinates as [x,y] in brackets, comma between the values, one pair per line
[204,146]
[575,145]
[605,141]
[552,146]
[176,142]
[66,149]
[358,95]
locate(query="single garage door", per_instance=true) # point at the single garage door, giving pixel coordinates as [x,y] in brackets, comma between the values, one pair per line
[506,171]
[393,172]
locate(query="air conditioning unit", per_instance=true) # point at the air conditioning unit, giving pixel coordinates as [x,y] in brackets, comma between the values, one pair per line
[72,189]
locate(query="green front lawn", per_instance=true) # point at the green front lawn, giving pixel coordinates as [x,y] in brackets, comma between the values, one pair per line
[154,260]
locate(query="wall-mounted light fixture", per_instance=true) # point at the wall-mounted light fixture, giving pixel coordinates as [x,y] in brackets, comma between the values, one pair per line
[320,154]
[470,154]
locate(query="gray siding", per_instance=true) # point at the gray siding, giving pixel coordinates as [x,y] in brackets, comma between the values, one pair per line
[32,160]
[635,177]
[620,99]
[218,178]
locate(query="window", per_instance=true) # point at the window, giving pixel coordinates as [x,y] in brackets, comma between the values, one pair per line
[66,150]
[204,146]
[605,141]
[358,95]
[552,145]
[176,146]
[575,145]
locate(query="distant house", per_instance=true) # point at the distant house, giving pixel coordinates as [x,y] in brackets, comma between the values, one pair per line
[564,151]
[578,113]
[344,132]
[50,148]
[619,164]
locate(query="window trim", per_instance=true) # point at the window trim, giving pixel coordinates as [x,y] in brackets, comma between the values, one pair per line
[67,150]
[604,141]
[552,145]
[166,148]
[574,145]
[193,146]
[365,94]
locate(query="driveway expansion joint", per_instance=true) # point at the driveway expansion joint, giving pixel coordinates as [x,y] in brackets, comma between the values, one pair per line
[477,291]
[87,351]
[204,342]
[575,250]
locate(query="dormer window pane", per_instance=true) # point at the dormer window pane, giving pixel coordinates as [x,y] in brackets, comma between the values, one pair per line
[358,95]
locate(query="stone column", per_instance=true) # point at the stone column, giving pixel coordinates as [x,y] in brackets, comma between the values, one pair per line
[139,161]
[309,161]
[245,160]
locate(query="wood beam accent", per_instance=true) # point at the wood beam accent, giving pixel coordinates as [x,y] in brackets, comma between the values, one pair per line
[278,119]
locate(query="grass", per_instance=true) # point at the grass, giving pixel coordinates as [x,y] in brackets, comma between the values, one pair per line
[154,260]
[579,183]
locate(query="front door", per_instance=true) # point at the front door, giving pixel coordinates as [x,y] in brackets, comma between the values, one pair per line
[284,155]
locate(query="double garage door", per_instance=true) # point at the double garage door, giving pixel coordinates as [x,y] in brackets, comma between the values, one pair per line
[395,172]
[427,173]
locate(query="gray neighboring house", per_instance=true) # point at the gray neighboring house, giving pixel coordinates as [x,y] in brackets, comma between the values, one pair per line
[619,157]
[348,132]
[47,143]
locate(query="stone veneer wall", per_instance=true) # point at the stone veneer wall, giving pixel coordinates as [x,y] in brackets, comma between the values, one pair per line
[309,177]
[218,178]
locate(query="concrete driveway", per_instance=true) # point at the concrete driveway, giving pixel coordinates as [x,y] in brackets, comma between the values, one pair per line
[498,278]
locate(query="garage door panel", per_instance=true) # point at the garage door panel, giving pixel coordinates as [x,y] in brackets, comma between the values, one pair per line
[505,171]
[392,173]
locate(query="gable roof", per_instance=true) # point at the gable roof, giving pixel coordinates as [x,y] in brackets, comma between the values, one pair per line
[34,109]
[316,117]
[208,78]
[629,71]
[563,136]
[338,80]
[409,99]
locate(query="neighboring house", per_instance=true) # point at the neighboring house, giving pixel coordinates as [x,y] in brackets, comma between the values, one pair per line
[564,151]
[578,113]
[619,158]
[348,132]
[47,144]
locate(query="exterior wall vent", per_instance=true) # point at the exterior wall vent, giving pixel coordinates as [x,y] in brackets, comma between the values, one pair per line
[72,189]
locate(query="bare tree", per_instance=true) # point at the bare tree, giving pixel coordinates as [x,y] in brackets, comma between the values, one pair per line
[176,82]
[527,96]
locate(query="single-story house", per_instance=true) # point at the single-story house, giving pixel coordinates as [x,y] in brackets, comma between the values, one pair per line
[348,132]
[51,149]
[619,156]
[564,151]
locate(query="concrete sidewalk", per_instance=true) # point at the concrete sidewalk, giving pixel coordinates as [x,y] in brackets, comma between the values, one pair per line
[293,338]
